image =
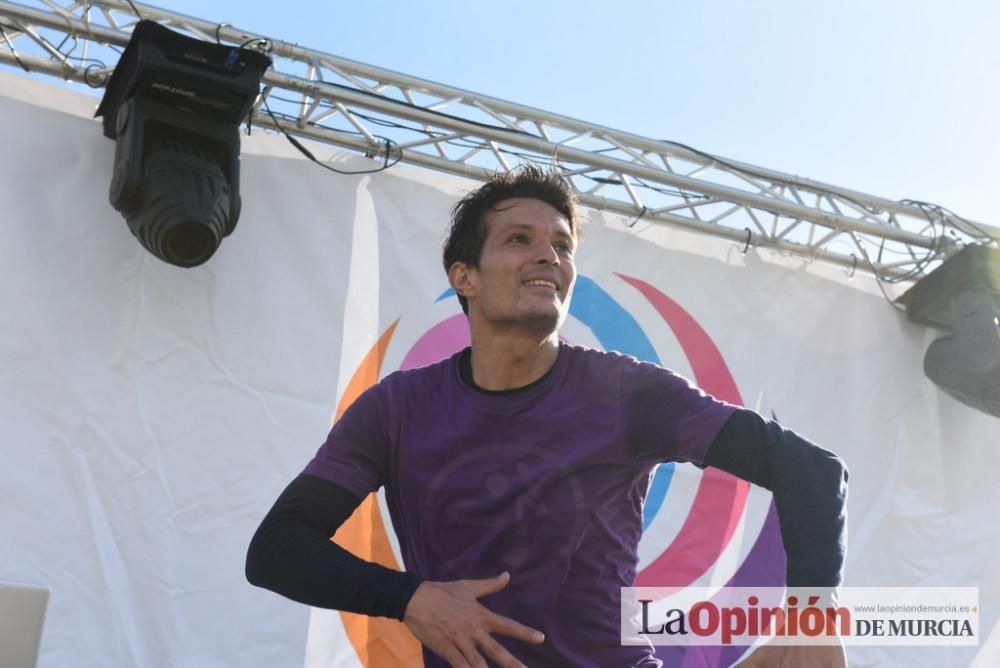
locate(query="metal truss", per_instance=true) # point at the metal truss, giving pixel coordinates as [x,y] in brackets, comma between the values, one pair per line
[392,117]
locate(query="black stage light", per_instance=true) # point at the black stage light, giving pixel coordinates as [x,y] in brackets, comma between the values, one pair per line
[962,296]
[174,105]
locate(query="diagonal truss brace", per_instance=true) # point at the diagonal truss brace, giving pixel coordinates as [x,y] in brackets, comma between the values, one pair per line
[390,116]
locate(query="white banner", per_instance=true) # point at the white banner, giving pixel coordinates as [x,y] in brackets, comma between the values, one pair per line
[150,415]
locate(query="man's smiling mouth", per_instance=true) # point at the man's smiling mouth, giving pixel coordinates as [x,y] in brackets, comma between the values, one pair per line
[542,283]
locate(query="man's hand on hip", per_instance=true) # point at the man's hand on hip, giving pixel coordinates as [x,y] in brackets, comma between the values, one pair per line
[449,620]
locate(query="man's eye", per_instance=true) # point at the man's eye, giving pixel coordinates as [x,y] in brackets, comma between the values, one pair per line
[564,248]
[518,238]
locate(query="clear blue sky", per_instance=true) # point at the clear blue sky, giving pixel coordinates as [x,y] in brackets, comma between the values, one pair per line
[898,98]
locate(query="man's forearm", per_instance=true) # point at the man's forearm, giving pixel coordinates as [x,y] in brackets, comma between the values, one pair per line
[292,555]
[810,492]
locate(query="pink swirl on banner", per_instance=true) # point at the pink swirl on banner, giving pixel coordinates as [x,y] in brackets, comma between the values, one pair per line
[721,498]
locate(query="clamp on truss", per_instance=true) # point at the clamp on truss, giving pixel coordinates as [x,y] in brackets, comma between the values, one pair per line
[389,116]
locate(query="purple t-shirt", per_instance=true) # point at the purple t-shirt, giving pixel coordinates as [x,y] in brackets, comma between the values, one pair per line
[547,483]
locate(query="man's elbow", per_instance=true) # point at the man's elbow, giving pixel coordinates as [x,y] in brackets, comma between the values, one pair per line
[256,562]
[839,474]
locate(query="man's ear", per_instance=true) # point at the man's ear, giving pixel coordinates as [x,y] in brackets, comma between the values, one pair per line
[462,279]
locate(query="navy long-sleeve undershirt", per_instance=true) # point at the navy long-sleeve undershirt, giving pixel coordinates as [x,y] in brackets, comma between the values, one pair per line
[291,554]
[810,492]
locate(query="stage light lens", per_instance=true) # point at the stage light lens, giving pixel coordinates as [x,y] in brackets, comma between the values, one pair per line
[186,203]
[189,244]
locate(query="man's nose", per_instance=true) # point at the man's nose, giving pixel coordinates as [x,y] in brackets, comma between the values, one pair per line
[548,254]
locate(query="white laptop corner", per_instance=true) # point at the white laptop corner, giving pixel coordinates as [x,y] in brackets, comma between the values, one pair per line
[22,617]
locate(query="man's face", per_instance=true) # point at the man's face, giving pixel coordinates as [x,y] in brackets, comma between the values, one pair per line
[526,271]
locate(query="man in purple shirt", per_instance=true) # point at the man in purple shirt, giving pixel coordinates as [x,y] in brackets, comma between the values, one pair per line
[516,470]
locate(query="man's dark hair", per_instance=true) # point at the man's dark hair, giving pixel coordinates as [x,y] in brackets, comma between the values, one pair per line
[468,224]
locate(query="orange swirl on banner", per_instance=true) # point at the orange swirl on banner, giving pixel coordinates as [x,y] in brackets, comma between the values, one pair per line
[377,641]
